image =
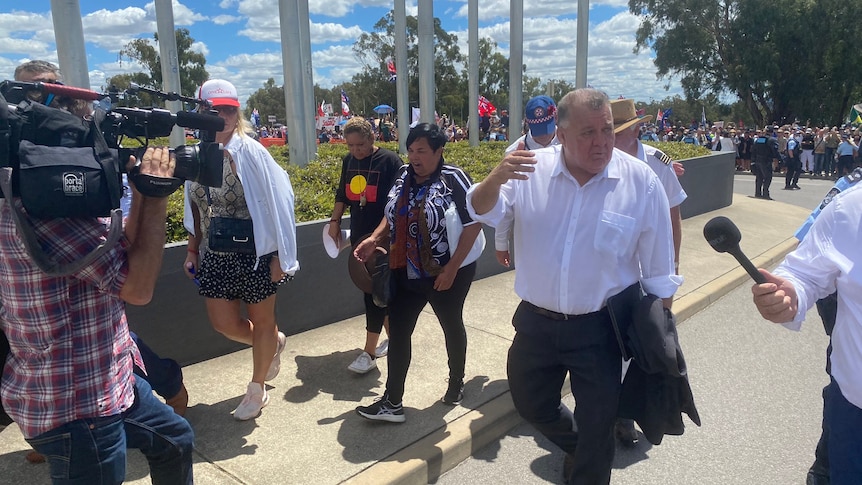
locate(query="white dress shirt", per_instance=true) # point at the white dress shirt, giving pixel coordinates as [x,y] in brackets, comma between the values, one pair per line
[504,228]
[664,171]
[575,245]
[828,259]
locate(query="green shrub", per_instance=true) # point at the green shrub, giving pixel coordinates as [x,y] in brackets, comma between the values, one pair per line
[314,185]
[680,151]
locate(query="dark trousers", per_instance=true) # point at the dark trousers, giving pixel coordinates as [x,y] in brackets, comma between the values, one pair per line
[827,308]
[374,315]
[845,438]
[845,165]
[762,178]
[794,169]
[829,161]
[542,354]
[411,296]
[164,375]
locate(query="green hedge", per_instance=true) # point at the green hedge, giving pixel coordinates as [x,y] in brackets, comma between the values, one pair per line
[315,184]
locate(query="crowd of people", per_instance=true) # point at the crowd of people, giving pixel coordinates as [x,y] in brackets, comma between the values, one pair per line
[820,152]
[591,212]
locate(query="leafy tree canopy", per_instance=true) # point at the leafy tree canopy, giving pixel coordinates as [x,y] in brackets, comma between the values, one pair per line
[191,65]
[786,60]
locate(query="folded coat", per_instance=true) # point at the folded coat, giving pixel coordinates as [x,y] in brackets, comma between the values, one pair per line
[655,391]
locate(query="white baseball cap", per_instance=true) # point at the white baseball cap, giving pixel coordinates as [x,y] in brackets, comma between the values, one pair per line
[219,93]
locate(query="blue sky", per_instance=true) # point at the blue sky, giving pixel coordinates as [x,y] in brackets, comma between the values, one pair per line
[240,38]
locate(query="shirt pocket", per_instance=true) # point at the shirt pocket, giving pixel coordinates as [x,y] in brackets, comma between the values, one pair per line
[614,234]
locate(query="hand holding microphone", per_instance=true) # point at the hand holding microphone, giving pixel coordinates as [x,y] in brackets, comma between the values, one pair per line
[777,304]
[723,235]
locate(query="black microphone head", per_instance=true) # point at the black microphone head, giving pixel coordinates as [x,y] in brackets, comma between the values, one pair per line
[722,234]
[200,121]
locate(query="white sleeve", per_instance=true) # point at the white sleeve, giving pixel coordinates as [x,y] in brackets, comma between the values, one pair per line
[655,246]
[814,266]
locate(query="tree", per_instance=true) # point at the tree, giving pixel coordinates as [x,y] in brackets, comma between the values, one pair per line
[269,101]
[372,86]
[191,64]
[754,49]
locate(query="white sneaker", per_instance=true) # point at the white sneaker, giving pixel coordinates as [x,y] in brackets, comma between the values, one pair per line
[255,399]
[363,363]
[275,365]
[382,349]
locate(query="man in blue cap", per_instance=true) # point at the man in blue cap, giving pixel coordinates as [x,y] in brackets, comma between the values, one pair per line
[540,115]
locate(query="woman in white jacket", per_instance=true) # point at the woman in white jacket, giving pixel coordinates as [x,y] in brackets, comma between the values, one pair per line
[255,188]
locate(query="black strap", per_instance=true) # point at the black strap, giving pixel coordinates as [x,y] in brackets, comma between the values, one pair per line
[110,165]
[34,249]
[5,134]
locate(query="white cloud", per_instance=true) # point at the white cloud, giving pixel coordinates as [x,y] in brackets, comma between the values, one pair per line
[200,47]
[182,15]
[226,19]
[268,30]
[549,53]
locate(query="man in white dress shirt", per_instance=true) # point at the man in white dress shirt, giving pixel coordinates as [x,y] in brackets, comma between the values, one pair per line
[589,223]
[828,259]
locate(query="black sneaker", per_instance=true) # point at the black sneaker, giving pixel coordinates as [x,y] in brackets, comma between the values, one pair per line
[382,410]
[795,187]
[455,393]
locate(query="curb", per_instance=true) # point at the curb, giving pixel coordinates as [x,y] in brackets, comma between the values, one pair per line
[430,457]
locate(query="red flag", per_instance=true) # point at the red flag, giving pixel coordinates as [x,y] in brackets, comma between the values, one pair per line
[485,106]
[393,74]
[658,116]
[320,111]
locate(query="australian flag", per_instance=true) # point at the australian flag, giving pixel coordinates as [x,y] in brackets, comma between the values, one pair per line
[345,108]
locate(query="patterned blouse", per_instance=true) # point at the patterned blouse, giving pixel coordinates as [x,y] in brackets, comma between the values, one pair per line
[227,201]
[447,186]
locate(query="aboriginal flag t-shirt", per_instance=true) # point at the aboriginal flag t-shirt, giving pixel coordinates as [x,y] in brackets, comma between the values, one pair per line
[371,177]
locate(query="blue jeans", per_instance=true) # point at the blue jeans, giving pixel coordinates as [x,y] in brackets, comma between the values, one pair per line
[93,450]
[845,438]
[819,158]
[164,375]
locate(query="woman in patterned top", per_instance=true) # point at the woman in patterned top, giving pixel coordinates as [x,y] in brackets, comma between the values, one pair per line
[424,270]
[255,188]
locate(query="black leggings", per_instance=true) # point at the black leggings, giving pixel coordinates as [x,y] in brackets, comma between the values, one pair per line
[410,298]
[374,315]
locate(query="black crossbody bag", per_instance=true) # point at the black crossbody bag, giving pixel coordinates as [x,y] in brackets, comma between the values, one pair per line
[229,234]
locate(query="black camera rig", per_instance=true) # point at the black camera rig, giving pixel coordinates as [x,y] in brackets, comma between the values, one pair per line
[65,161]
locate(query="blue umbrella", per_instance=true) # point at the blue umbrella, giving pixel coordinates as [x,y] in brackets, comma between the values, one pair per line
[383,109]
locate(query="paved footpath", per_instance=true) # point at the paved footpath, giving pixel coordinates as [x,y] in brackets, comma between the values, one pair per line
[309,433]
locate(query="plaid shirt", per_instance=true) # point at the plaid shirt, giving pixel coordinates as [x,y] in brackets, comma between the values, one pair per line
[71,353]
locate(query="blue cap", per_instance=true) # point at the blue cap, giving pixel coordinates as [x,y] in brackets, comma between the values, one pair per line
[541,115]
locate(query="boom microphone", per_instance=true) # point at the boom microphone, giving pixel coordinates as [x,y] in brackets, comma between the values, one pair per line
[723,235]
[200,121]
[69,91]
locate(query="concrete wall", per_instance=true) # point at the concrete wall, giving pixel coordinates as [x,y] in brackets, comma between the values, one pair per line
[175,324]
[708,181]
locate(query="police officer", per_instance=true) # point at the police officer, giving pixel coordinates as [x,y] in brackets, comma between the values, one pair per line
[764,149]
[794,163]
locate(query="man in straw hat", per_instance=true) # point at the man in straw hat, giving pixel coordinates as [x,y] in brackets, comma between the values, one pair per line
[626,128]
[590,223]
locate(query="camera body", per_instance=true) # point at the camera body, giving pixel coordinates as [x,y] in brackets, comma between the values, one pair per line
[65,165]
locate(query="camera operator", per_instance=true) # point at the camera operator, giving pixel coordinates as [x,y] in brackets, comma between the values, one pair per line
[69,382]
